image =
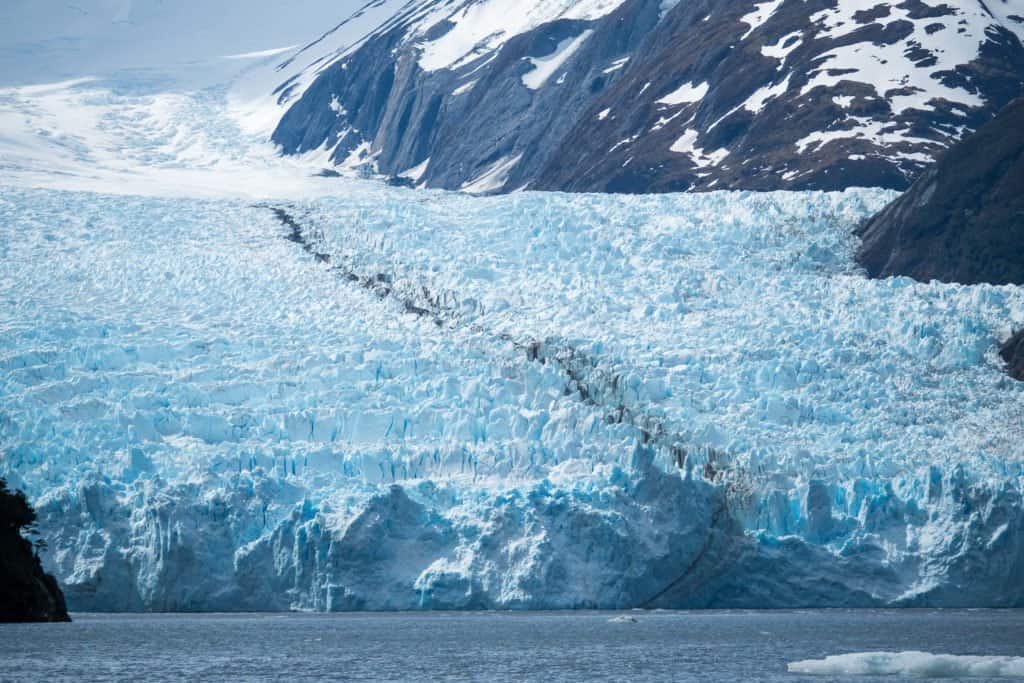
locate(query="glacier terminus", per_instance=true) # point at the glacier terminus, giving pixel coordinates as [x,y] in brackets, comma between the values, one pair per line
[544,401]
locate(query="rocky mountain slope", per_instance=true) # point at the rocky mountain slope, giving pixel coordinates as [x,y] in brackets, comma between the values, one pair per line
[27,593]
[1013,353]
[652,95]
[963,220]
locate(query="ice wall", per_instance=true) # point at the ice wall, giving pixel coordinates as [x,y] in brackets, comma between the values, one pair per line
[425,400]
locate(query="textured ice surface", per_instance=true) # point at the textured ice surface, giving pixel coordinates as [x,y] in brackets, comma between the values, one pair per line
[917,664]
[526,401]
[738,318]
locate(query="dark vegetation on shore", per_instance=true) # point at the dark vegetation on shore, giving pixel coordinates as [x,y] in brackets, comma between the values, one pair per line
[27,593]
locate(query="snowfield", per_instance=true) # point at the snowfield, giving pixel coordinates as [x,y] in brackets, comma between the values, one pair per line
[227,384]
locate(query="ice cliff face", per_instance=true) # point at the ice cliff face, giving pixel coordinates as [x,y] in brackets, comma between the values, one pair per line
[541,401]
[649,95]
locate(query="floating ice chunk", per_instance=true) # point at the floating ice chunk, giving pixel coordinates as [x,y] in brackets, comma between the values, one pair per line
[624,619]
[911,663]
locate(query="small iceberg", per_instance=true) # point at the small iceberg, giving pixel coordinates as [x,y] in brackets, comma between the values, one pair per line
[917,664]
[624,619]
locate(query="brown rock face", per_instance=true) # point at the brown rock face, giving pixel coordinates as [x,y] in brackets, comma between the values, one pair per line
[963,219]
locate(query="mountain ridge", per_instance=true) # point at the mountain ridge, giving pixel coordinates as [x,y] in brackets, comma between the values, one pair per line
[963,220]
[648,96]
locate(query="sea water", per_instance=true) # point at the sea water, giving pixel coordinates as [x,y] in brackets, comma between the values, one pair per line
[489,646]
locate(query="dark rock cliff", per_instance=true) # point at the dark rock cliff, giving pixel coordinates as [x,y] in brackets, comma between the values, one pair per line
[659,96]
[963,219]
[1013,353]
[27,593]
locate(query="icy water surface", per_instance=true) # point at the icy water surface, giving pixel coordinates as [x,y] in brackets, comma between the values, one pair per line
[659,646]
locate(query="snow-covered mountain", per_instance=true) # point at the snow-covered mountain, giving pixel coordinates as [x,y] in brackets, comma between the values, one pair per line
[653,95]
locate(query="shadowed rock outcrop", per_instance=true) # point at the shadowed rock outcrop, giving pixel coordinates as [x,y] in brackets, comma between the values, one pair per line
[27,593]
[963,219]
[1013,353]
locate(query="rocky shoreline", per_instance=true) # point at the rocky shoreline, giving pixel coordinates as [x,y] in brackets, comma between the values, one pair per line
[27,592]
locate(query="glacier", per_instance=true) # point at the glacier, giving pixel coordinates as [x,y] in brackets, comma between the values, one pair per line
[390,399]
[226,384]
